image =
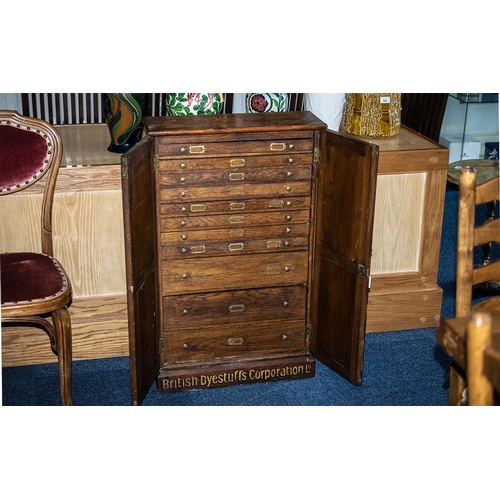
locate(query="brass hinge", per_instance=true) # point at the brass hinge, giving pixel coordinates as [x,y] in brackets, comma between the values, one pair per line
[161,344]
[316,155]
[124,167]
[309,331]
[361,270]
[156,162]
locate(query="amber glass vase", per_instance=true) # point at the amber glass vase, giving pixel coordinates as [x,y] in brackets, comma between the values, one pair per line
[373,115]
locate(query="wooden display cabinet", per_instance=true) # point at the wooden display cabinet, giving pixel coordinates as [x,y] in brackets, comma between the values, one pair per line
[248,242]
[411,186]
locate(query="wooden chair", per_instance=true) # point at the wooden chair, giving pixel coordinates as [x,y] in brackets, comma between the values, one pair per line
[34,286]
[480,391]
[469,275]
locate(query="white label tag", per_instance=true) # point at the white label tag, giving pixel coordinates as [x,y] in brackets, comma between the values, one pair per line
[385,99]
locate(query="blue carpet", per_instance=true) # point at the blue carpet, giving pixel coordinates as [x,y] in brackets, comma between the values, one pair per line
[403,368]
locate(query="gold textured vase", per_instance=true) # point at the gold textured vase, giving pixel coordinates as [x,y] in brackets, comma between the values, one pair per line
[373,115]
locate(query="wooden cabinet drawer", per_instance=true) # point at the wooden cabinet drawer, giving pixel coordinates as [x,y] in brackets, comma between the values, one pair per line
[197,147]
[262,304]
[236,219]
[228,177]
[235,241]
[196,209]
[237,191]
[223,341]
[226,273]
[196,164]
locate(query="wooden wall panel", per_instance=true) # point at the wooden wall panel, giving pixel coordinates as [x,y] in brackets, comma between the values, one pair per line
[397,228]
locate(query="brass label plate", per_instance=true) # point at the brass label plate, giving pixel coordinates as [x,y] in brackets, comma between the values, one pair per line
[250,372]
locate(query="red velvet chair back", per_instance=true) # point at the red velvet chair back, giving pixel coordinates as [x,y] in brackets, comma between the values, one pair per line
[30,149]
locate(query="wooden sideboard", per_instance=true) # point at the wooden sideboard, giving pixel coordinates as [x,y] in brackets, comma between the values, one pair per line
[88,240]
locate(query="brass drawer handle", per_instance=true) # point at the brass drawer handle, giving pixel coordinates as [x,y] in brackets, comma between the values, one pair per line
[275,203]
[236,233]
[198,249]
[236,308]
[195,149]
[273,244]
[236,219]
[277,270]
[194,275]
[277,146]
[200,207]
[236,176]
[197,276]
[236,190]
[237,206]
[235,341]
[237,162]
[233,247]
[273,270]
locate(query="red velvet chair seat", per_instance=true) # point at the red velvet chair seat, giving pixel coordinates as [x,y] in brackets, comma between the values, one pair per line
[28,277]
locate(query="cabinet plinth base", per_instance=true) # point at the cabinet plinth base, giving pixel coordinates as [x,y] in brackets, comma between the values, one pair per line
[180,379]
[404,310]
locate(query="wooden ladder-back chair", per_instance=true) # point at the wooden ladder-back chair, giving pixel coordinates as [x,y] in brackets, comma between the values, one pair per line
[35,290]
[480,390]
[469,274]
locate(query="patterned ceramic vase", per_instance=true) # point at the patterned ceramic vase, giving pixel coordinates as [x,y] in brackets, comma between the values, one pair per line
[264,103]
[124,114]
[194,104]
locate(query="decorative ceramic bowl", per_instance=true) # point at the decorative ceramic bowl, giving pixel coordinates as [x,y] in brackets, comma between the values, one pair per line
[264,103]
[194,104]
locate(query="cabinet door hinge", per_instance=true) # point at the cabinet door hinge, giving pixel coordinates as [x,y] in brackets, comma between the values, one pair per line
[156,162]
[124,168]
[361,270]
[316,155]
[309,331]
[135,398]
[161,345]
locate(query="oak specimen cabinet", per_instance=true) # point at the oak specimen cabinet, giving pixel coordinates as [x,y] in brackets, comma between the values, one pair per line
[248,241]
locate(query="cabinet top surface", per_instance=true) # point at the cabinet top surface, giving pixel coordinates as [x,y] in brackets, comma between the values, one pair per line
[407,139]
[231,123]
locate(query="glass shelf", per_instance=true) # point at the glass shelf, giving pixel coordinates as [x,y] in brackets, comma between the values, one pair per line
[470,127]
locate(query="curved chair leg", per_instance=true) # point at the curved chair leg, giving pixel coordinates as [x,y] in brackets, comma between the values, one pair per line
[62,323]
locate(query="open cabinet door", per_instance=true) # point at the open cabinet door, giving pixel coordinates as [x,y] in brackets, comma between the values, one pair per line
[140,229]
[346,197]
